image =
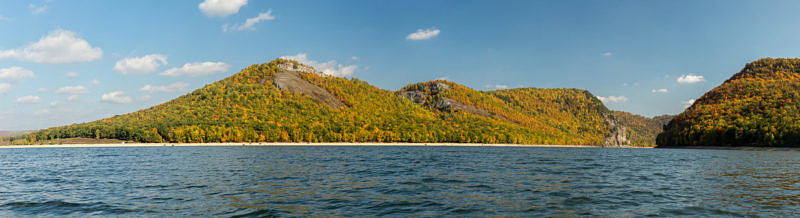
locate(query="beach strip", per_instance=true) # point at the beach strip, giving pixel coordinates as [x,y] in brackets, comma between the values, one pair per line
[267,144]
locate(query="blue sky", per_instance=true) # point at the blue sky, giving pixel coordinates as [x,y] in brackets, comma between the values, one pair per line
[65,62]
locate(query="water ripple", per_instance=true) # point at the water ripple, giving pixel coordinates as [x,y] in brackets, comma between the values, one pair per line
[397,181]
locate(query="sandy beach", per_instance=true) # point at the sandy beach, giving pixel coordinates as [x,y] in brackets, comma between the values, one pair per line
[282,144]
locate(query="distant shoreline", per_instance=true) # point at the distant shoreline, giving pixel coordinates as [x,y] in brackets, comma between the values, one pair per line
[268,144]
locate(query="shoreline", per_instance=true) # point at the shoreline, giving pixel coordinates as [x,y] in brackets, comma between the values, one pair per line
[278,144]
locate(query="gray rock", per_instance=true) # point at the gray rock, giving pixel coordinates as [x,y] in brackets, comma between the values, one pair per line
[618,136]
[291,81]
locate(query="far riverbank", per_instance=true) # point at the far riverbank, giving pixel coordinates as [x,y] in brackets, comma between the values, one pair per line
[284,144]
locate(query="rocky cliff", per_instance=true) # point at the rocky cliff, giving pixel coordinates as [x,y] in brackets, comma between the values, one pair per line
[618,135]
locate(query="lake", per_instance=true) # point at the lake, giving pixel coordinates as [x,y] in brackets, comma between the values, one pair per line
[397,181]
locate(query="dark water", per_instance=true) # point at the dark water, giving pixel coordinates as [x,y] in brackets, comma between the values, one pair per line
[397,181]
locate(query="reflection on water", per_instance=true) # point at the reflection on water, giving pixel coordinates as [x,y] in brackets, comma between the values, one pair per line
[397,181]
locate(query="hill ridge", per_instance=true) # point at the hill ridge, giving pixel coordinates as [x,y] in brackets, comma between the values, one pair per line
[244,107]
[758,106]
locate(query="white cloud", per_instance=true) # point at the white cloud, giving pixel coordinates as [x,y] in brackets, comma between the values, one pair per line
[118,97]
[634,84]
[3,18]
[660,91]
[4,88]
[613,99]
[329,67]
[250,23]
[197,69]
[95,82]
[607,54]
[31,99]
[691,78]
[58,47]
[423,34]
[496,86]
[40,90]
[72,90]
[74,93]
[73,97]
[221,8]
[41,112]
[175,87]
[37,9]
[688,103]
[72,74]
[355,58]
[145,98]
[140,65]
[13,74]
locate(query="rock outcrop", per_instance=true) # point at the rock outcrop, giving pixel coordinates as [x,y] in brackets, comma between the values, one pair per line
[618,136]
[429,97]
[296,68]
[288,79]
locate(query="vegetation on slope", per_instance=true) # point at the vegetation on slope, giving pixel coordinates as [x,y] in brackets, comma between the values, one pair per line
[642,130]
[243,108]
[249,107]
[572,116]
[759,106]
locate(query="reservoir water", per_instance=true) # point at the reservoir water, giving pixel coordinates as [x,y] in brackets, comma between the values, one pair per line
[397,181]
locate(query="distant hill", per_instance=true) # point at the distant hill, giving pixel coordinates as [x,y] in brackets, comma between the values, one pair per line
[284,101]
[759,106]
[566,116]
[643,130]
[13,133]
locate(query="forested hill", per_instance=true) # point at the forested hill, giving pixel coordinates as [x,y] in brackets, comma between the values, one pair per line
[284,101]
[642,130]
[573,116]
[759,106]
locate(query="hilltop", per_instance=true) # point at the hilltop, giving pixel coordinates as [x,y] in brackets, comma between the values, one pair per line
[285,101]
[759,106]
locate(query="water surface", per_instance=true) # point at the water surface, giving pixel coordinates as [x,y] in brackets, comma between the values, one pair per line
[397,181]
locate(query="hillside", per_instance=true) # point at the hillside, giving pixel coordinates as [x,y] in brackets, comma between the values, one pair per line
[572,114]
[284,101]
[642,130]
[759,106]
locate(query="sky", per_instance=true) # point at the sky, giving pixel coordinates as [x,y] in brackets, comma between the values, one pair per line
[64,62]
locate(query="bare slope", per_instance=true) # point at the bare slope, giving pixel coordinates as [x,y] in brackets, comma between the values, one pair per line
[289,80]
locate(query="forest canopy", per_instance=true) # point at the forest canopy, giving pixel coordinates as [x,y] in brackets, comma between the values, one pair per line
[759,106]
[249,107]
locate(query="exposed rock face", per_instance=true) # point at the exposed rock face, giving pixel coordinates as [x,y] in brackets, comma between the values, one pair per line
[416,97]
[447,104]
[441,103]
[288,79]
[296,67]
[618,135]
